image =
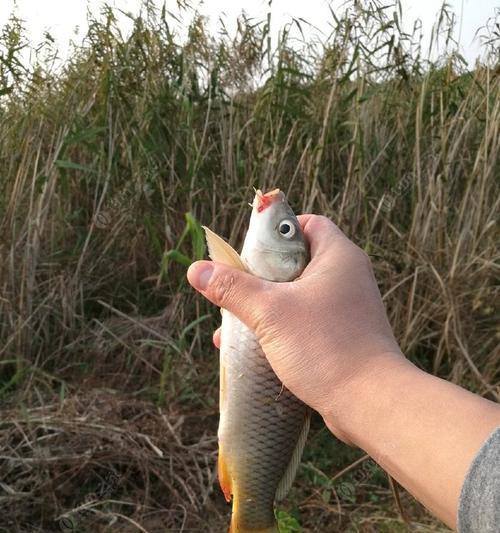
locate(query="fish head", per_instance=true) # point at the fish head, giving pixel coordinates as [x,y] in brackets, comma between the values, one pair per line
[275,247]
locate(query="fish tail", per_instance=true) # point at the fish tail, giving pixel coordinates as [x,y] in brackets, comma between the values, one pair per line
[236,528]
[242,526]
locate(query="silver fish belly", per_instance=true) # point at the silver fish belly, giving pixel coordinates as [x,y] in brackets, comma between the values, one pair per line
[263,427]
[260,425]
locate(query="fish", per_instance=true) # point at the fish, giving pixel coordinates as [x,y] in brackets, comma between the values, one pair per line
[263,427]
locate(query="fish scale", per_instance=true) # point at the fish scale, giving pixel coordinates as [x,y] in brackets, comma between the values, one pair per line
[263,426]
[259,425]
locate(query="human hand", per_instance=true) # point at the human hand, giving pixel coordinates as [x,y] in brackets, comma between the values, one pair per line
[324,333]
[327,337]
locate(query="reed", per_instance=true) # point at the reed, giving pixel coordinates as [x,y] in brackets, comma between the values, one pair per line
[101,160]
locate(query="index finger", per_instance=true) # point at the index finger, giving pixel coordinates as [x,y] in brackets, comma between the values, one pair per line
[320,232]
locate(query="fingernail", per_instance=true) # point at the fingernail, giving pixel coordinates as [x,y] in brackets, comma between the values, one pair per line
[204,276]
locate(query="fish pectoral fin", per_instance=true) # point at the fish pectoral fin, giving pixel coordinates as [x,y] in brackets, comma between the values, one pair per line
[293,465]
[222,252]
[224,476]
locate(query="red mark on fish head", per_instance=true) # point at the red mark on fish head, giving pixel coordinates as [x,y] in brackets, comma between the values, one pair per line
[265,200]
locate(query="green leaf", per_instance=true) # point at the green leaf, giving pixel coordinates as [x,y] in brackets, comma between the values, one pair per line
[288,523]
[197,237]
[193,324]
[178,257]
[65,163]
[85,135]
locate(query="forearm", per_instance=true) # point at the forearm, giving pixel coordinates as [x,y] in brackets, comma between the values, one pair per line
[422,430]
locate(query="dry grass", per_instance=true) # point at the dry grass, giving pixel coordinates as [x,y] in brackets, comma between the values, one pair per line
[101,458]
[106,360]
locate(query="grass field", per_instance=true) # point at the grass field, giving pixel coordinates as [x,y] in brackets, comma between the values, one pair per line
[108,165]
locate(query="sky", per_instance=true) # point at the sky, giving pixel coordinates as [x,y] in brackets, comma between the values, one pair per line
[63,17]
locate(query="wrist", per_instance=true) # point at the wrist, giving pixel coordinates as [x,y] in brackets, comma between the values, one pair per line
[367,396]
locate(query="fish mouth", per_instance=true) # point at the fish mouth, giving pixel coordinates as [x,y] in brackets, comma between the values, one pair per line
[264,200]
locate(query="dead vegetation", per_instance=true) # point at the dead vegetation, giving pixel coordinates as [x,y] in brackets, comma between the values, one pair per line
[102,458]
[108,379]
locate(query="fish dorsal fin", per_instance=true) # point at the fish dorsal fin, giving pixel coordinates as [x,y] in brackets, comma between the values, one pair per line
[222,252]
[293,465]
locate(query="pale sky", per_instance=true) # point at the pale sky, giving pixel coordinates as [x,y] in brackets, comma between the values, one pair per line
[62,17]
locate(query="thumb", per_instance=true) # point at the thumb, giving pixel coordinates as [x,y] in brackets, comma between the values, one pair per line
[240,293]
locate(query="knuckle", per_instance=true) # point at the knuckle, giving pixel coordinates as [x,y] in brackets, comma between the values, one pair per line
[329,225]
[366,260]
[360,255]
[324,223]
[222,287]
[364,257]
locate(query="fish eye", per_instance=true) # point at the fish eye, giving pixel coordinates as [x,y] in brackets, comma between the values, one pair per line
[286,228]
